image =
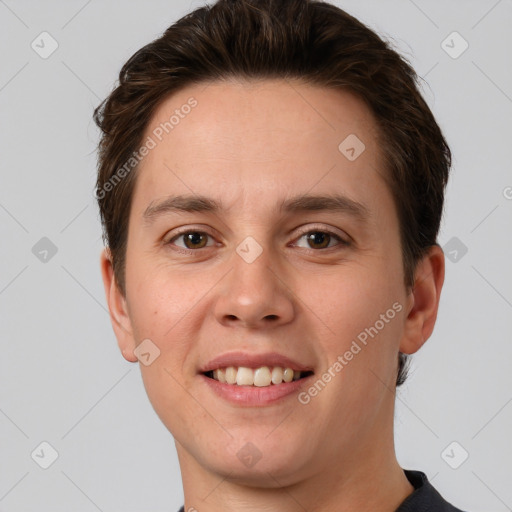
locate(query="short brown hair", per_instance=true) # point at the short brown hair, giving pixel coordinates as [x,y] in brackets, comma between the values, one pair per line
[309,40]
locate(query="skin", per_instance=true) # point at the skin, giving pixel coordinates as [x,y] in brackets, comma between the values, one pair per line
[250,145]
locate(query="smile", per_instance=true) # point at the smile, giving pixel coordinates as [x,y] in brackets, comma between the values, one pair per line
[263,376]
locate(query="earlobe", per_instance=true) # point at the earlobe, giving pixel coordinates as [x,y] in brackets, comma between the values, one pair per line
[117,308]
[424,300]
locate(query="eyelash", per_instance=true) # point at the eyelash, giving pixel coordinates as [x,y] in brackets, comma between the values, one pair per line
[341,242]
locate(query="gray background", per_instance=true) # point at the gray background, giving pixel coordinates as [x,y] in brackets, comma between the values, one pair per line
[63,379]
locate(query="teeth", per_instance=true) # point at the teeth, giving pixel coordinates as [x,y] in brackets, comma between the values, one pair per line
[245,377]
[259,377]
[262,377]
[231,375]
[288,375]
[277,375]
[219,375]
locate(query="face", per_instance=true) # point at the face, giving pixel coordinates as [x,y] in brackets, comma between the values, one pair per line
[284,251]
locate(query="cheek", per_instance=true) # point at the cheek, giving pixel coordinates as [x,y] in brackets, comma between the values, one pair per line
[362,317]
[171,308]
[162,305]
[364,313]
[160,299]
[350,301]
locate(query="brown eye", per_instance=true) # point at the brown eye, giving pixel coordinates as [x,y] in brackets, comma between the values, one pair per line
[318,239]
[195,240]
[192,240]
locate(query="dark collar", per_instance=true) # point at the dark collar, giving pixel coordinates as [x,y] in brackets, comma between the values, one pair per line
[424,498]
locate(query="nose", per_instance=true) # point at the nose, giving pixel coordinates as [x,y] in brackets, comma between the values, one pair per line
[255,295]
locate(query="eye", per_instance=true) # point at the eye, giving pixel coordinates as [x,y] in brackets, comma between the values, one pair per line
[315,239]
[192,240]
[321,239]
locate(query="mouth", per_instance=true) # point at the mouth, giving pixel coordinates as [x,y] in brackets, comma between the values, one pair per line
[264,376]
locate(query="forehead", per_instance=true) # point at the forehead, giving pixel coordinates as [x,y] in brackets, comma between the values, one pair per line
[255,141]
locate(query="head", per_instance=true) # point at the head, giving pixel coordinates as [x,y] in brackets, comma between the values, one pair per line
[250,104]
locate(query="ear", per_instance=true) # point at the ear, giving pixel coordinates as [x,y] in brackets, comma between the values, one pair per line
[118,309]
[423,300]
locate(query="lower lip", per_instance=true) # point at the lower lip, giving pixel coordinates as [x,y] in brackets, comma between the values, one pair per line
[253,395]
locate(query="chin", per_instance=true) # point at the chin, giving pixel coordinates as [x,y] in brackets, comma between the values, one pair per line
[258,463]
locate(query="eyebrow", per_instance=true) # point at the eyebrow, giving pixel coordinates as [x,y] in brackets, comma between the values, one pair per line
[301,203]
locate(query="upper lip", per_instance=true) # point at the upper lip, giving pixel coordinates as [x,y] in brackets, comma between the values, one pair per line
[253,361]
